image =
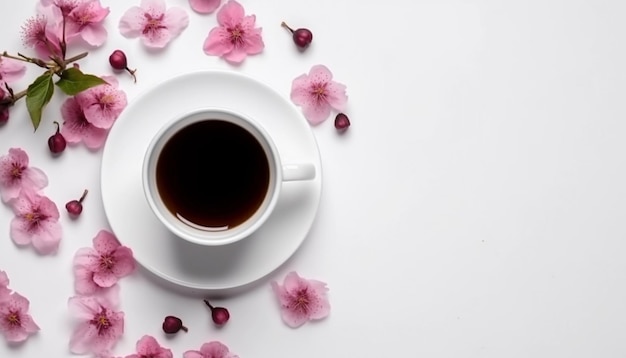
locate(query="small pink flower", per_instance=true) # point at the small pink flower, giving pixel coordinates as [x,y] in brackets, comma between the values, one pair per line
[36,222]
[16,175]
[148,347]
[317,93]
[86,21]
[77,128]
[108,260]
[211,350]
[204,6]
[235,37]
[156,24]
[15,322]
[4,286]
[103,104]
[99,324]
[10,71]
[301,299]
[42,35]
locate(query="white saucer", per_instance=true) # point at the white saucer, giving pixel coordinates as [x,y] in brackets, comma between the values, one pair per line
[174,259]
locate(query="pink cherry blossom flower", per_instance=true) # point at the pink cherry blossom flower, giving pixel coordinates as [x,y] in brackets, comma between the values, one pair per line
[4,286]
[154,23]
[40,33]
[15,323]
[36,222]
[211,350]
[76,128]
[99,323]
[301,299]
[108,260]
[148,347]
[235,37]
[204,6]
[10,71]
[317,93]
[86,20]
[16,175]
[103,104]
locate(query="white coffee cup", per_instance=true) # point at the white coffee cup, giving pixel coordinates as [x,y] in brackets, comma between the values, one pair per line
[205,178]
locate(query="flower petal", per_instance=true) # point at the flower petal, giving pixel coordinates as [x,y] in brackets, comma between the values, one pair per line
[320,74]
[193,354]
[215,349]
[154,6]
[156,38]
[104,278]
[105,242]
[204,6]
[124,262]
[35,178]
[254,42]
[94,35]
[11,70]
[230,14]
[218,42]
[83,281]
[83,307]
[86,257]
[293,318]
[82,338]
[131,23]
[20,231]
[176,20]
[47,240]
[336,96]
[316,113]
[236,56]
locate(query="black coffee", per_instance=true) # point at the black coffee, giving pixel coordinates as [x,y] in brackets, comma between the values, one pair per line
[213,174]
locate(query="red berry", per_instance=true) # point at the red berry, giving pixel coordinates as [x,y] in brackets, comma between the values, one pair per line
[219,315]
[173,324]
[342,122]
[301,37]
[119,62]
[75,207]
[57,142]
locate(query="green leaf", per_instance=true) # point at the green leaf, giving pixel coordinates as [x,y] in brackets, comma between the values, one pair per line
[73,81]
[38,95]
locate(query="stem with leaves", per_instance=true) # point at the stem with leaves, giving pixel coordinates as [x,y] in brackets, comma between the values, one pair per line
[38,94]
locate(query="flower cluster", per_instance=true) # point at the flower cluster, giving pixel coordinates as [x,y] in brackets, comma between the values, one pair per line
[97,270]
[56,24]
[15,323]
[36,218]
[89,115]
[59,23]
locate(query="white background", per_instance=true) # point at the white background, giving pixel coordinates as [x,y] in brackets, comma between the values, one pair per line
[474,209]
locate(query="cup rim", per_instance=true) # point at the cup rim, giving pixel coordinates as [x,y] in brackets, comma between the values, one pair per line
[203,237]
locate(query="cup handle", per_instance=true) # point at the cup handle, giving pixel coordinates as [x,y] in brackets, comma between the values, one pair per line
[294,172]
